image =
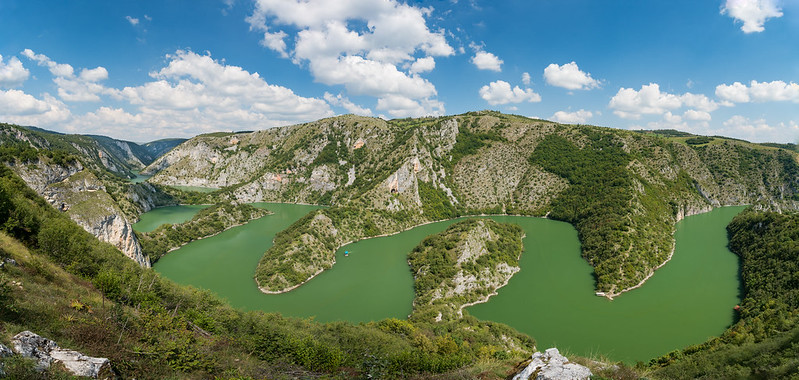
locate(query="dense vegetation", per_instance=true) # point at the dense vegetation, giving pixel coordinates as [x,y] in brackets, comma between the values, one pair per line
[482,250]
[699,140]
[764,343]
[207,222]
[599,202]
[87,296]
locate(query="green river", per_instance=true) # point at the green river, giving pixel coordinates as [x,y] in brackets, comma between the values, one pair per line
[551,298]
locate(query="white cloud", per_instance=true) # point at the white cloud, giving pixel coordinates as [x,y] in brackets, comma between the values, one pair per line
[526,78]
[649,100]
[775,91]
[12,73]
[500,92]
[695,115]
[94,75]
[15,102]
[671,118]
[21,108]
[577,117]
[423,65]
[57,69]
[487,61]
[759,130]
[192,94]
[342,101]
[132,20]
[83,88]
[193,81]
[400,106]
[364,60]
[752,13]
[569,76]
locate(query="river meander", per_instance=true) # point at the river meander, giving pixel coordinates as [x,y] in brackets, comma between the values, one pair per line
[551,298]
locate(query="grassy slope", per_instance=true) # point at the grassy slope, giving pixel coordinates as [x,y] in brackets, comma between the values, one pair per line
[85,295]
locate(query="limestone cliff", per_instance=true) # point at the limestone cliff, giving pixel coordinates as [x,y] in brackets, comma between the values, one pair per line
[79,193]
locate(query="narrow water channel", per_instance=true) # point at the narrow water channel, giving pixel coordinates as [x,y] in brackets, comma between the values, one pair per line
[551,298]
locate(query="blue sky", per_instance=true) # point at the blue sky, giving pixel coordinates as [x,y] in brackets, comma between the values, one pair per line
[143,70]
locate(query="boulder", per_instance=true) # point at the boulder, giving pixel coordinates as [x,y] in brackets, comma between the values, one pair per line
[47,352]
[551,365]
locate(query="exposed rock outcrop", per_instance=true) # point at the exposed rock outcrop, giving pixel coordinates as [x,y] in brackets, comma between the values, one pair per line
[46,352]
[551,365]
[83,197]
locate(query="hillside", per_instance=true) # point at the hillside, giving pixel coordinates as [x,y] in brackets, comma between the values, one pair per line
[86,177]
[764,343]
[59,281]
[623,190]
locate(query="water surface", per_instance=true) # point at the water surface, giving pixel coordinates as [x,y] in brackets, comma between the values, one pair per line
[162,215]
[551,298]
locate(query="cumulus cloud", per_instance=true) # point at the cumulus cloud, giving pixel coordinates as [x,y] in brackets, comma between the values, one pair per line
[500,92]
[12,74]
[365,61]
[342,101]
[752,13]
[487,61]
[191,94]
[569,76]
[400,106]
[695,115]
[577,117]
[423,65]
[132,20]
[57,69]
[775,91]
[629,103]
[759,130]
[21,108]
[71,88]
[526,78]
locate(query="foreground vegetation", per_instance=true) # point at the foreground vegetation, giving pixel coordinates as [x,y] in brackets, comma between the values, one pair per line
[207,222]
[764,343]
[87,296]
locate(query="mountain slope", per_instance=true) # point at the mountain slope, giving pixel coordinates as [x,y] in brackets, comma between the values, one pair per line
[59,281]
[85,177]
[622,190]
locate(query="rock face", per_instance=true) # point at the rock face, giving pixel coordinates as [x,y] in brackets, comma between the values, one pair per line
[47,352]
[551,365]
[83,197]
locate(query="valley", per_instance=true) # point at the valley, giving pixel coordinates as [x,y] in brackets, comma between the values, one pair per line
[618,280]
[549,299]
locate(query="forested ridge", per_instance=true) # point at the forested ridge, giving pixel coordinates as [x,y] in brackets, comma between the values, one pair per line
[764,342]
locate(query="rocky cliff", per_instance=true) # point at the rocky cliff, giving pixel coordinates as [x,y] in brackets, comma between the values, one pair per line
[78,192]
[623,190]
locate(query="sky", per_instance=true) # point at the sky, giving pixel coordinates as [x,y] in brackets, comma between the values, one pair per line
[143,70]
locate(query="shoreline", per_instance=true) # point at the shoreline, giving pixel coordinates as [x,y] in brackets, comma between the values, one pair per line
[609,296]
[209,236]
[267,291]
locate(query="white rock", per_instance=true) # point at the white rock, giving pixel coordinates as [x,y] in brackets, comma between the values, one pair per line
[45,351]
[551,365]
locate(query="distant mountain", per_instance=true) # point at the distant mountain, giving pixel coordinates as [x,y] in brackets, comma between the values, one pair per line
[157,148]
